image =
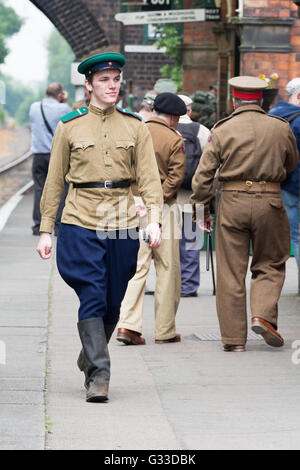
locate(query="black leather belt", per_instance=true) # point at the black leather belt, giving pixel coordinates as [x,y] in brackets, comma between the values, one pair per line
[104,184]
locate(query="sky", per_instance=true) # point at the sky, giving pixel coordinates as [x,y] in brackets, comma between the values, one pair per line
[27,60]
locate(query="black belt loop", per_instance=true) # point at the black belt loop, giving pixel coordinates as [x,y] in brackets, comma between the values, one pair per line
[104,184]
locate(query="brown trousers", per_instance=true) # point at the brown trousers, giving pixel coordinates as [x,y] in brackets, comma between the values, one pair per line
[260,218]
[168,280]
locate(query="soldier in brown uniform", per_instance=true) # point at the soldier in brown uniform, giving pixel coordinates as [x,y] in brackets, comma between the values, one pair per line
[254,152]
[94,150]
[170,157]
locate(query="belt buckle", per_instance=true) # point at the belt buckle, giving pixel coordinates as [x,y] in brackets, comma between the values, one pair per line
[108,184]
[249,185]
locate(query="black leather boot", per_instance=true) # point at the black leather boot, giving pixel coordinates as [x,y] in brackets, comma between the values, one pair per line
[94,359]
[109,329]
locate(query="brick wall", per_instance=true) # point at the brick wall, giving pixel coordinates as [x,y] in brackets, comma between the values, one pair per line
[75,22]
[200,63]
[104,12]
[286,64]
[267,8]
[142,70]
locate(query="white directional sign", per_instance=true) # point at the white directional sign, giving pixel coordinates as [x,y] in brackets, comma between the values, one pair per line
[167,16]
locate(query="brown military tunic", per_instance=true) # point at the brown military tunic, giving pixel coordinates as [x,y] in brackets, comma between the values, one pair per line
[101,145]
[249,145]
[170,157]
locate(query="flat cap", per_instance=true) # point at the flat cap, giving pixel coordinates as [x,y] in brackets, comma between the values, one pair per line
[169,103]
[293,86]
[104,61]
[165,85]
[186,99]
[247,87]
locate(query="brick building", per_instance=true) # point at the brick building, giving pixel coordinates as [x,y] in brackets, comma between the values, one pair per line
[253,37]
[270,40]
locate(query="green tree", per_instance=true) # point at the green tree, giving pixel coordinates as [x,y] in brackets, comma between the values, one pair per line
[16,94]
[2,115]
[170,37]
[10,23]
[60,58]
[22,114]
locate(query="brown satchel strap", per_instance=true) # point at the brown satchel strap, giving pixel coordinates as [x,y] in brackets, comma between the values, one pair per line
[251,186]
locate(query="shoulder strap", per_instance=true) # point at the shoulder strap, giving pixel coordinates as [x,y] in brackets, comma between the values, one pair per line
[292,117]
[129,113]
[45,120]
[75,114]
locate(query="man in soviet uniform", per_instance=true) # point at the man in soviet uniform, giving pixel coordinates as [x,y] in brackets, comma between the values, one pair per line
[94,150]
[254,152]
[170,157]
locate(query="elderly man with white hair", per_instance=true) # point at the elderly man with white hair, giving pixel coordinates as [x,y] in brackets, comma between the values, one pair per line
[290,188]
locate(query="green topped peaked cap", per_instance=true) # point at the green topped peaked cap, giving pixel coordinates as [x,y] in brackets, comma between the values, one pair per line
[104,61]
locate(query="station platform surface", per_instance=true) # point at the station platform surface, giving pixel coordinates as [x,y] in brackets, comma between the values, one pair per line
[184,396]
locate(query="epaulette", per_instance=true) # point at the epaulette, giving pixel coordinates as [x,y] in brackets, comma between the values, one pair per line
[129,113]
[278,117]
[75,114]
[221,121]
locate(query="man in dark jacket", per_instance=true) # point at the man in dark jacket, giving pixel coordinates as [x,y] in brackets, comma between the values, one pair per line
[290,188]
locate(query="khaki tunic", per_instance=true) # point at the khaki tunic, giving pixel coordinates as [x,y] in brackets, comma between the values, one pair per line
[101,145]
[170,156]
[248,145]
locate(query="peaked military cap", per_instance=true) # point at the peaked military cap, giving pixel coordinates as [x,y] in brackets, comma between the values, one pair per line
[169,103]
[248,88]
[104,61]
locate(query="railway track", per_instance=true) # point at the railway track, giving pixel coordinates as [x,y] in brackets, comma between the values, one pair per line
[14,177]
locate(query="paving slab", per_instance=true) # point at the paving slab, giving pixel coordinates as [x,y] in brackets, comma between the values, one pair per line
[184,396]
[189,395]
[24,281]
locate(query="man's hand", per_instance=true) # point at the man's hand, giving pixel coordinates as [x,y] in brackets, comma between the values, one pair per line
[44,247]
[207,224]
[140,209]
[154,235]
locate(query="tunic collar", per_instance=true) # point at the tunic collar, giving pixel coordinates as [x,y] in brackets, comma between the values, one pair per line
[158,120]
[248,107]
[101,112]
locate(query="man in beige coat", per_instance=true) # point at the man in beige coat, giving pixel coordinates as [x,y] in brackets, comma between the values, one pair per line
[170,157]
[254,152]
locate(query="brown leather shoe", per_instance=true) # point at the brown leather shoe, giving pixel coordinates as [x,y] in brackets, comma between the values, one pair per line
[175,339]
[130,337]
[267,331]
[234,348]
